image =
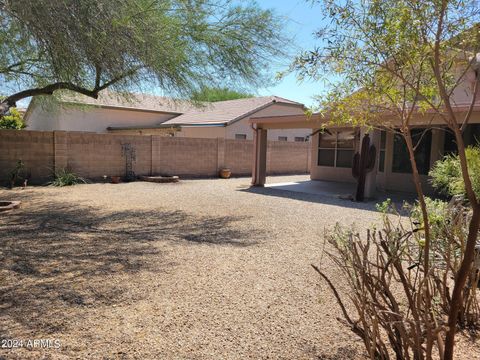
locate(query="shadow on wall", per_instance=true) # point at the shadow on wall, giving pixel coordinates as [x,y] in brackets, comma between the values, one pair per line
[57,259]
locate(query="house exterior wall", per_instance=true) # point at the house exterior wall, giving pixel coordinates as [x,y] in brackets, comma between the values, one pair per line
[206,132]
[463,93]
[42,117]
[69,117]
[87,118]
[243,127]
[386,180]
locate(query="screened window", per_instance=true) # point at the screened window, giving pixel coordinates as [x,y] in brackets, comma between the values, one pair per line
[401,161]
[335,149]
[282,138]
[240,136]
[383,146]
[471,136]
[299,139]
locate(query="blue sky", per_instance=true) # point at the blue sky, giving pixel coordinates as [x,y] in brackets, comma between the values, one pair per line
[301,21]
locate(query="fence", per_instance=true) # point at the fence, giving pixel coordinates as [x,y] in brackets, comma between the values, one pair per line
[92,155]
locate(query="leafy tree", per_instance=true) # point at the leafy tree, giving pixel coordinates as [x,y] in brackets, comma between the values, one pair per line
[179,46]
[386,62]
[210,94]
[13,120]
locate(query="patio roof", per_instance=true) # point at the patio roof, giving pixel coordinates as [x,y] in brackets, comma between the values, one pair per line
[290,121]
[317,120]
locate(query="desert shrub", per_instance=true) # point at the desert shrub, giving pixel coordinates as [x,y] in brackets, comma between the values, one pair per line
[399,311]
[18,173]
[13,120]
[64,177]
[446,174]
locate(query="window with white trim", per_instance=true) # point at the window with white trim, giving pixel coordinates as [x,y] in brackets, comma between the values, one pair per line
[336,149]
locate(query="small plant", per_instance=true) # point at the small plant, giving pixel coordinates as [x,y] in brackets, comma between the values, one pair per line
[13,120]
[16,173]
[64,177]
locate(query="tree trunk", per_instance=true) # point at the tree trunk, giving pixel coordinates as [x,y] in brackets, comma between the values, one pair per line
[467,261]
[4,108]
[421,199]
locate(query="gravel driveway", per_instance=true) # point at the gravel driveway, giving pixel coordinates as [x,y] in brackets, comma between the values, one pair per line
[202,269]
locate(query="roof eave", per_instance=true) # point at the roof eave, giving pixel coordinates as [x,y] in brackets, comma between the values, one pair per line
[127,108]
[161,126]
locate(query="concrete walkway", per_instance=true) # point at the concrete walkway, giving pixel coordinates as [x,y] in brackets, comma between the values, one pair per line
[332,189]
[317,187]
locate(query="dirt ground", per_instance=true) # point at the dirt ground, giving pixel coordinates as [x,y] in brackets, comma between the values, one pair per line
[202,269]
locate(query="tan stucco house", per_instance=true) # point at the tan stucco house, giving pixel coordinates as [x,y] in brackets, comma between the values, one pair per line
[332,151]
[155,115]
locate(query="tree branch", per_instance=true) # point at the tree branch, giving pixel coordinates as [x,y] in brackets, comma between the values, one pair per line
[11,100]
[472,104]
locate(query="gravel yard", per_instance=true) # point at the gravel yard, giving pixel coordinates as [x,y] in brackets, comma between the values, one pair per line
[202,269]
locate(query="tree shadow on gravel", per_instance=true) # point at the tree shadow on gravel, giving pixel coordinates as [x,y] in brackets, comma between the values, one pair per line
[58,259]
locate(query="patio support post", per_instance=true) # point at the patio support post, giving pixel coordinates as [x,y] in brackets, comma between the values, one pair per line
[259,171]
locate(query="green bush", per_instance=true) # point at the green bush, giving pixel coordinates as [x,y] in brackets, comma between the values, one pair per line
[12,121]
[446,174]
[66,178]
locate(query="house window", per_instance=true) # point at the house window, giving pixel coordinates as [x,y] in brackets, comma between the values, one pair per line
[335,149]
[282,138]
[383,145]
[449,144]
[240,136]
[471,136]
[299,139]
[422,140]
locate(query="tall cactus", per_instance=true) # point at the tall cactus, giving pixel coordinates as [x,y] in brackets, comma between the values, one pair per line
[363,163]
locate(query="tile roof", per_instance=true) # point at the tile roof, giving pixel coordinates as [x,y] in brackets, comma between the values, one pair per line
[132,102]
[221,112]
[229,111]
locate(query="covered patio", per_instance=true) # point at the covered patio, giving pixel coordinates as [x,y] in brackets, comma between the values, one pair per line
[333,148]
[324,179]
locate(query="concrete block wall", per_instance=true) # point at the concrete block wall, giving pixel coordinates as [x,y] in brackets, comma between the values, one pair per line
[288,157]
[239,156]
[34,148]
[185,156]
[92,155]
